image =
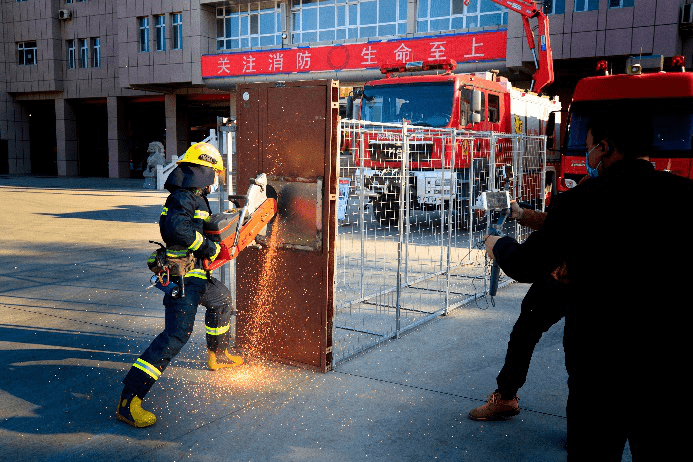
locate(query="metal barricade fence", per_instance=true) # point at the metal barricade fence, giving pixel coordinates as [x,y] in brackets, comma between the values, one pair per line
[408,242]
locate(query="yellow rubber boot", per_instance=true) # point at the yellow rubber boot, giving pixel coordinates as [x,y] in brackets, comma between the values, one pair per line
[130,411]
[225,359]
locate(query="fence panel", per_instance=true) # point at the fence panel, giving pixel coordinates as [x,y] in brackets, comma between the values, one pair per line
[408,244]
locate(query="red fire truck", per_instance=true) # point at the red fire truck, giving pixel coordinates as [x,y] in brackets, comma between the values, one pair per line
[480,102]
[663,98]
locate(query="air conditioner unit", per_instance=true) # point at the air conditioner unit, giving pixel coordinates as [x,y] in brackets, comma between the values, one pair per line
[687,14]
[64,14]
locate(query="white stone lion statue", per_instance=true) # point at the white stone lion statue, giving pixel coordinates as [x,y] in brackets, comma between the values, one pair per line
[156,157]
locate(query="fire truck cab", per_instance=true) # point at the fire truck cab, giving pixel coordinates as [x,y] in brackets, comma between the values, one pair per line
[665,99]
[478,102]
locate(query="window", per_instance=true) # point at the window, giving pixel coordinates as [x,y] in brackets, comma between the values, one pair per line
[586,5]
[620,3]
[427,104]
[144,33]
[326,20]
[493,108]
[250,25]
[26,53]
[68,1]
[83,53]
[177,24]
[445,15]
[71,55]
[160,29]
[96,52]
[554,6]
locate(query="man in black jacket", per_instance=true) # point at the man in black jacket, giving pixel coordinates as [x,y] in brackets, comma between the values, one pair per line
[626,319]
[181,225]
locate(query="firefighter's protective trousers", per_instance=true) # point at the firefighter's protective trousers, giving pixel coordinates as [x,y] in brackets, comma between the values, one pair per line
[179,319]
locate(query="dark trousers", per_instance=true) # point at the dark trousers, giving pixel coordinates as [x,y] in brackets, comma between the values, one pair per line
[179,320]
[542,307]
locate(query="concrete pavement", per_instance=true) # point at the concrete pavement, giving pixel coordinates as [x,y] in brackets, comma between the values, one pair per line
[75,315]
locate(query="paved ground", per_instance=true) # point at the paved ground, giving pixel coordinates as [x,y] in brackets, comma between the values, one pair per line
[75,314]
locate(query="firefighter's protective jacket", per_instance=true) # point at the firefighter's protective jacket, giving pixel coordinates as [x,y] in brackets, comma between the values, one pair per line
[186,209]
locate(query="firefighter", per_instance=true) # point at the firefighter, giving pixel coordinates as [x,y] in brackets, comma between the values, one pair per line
[181,226]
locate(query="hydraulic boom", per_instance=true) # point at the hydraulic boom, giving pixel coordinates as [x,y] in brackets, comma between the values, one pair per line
[543,75]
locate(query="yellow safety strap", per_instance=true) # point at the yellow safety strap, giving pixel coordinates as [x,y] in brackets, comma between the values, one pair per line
[198,241]
[196,273]
[176,253]
[164,211]
[217,330]
[150,370]
[201,214]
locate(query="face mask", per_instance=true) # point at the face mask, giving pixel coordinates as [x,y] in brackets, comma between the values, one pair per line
[593,172]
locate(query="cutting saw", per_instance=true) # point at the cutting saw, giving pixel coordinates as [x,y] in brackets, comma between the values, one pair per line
[237,229]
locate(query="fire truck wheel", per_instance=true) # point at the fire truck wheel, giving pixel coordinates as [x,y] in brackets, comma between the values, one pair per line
[386,209]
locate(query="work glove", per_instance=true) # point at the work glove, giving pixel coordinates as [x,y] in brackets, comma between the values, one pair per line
[216,253]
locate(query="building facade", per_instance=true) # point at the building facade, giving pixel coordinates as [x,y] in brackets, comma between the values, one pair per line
[86,85]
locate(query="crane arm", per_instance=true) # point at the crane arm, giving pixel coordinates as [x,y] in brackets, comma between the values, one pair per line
[543,75]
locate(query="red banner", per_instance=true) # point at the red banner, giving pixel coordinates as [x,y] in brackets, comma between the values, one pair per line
[471,47]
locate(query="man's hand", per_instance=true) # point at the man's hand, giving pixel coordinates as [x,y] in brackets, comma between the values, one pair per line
[490,242]
[516,212]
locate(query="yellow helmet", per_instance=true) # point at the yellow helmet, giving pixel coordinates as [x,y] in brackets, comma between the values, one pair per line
[203,154]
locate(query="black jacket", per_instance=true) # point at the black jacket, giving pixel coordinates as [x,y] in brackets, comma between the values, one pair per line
[625,239]
[186,209]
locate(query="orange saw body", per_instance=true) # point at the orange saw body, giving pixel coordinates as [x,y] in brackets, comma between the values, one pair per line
[222,228]
[235,230]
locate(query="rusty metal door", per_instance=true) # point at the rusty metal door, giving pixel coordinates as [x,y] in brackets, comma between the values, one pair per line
[285,291]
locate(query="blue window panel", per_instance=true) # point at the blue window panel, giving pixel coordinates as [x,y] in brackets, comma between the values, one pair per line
[326,35]
[439,24]
[488,6]
[388,11]
[440,8]
[341,16]
[423,9]
[353,15]
[401,29]
[402,10]
[266,40]
[341,34]
[387,30]
[490,20]
[368,13]
[310,19]
[368,31]
[310,37]
[421,26]
[327,17]
[472,21]
[457,23]
[353,32]
[267,23]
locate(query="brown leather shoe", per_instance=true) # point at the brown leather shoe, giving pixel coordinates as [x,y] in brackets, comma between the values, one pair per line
[495,408]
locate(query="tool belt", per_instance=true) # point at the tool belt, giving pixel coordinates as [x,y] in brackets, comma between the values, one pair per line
[174,261]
